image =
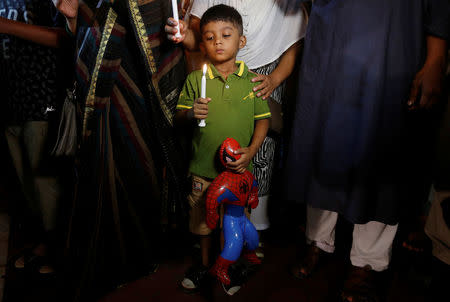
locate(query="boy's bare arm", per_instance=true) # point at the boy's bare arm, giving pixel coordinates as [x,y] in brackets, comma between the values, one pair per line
[47,36]
[247,154]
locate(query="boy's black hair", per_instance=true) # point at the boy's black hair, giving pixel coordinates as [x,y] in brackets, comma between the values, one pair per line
[222,12]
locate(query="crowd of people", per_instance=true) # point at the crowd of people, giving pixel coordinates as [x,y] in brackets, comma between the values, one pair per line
[369,102]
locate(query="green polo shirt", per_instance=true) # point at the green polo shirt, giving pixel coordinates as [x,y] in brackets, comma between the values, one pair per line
[232,112]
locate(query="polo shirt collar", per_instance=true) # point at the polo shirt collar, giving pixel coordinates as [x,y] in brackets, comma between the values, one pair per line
[241,71]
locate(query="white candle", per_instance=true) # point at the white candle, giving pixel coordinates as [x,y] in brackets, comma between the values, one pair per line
[203,93]
[175,16]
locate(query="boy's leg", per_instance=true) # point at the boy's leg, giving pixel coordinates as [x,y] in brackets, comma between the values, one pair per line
[196,274]
[205,248]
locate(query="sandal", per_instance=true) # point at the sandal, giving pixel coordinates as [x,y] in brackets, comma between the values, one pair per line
[309,264]
[29,260]
[360,285]
[416,242]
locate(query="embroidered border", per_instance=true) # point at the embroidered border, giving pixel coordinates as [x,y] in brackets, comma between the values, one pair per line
[146,46]
[90,99]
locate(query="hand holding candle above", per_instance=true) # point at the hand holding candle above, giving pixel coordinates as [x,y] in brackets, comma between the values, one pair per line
[175,16]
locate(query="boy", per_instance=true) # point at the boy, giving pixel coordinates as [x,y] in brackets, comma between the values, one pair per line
[231,109]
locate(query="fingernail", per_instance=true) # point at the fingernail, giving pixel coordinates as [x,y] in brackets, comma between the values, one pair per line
[258,94]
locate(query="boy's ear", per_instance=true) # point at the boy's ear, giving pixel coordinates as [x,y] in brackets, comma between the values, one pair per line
[242,41]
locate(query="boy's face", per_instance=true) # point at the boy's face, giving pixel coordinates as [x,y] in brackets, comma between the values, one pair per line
[221,41]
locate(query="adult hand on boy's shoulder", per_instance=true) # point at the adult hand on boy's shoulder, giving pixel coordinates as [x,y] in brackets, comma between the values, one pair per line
[242,163]
[201,108]
[267,86]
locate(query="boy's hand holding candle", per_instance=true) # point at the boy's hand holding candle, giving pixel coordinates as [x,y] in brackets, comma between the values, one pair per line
[203,94]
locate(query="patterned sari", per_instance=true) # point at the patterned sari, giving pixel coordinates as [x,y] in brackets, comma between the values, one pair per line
[129,185]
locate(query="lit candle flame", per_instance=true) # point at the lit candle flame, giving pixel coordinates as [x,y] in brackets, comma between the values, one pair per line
[204,69]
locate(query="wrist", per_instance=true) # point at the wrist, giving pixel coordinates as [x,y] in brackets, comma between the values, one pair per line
[436,51]
[436,60]
[277,78]
[252,151]
[71,26]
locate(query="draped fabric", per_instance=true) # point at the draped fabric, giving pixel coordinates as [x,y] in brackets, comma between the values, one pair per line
[355,148]
[128,183]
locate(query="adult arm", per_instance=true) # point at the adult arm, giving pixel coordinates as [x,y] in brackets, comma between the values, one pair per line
[247,154]
[47,36]
[428,82]
[69,8]
[285,67]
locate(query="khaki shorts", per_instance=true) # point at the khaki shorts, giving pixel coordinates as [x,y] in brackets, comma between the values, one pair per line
[197,202]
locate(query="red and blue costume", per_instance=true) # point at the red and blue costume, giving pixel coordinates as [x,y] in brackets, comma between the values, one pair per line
[236,192]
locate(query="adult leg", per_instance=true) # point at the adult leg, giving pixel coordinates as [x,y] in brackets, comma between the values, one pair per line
[14,138]
[370,253]
[47,187]
[372,245]
[320,228]
[320,236]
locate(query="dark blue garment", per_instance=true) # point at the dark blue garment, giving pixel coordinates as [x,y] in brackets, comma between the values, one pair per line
[350,150]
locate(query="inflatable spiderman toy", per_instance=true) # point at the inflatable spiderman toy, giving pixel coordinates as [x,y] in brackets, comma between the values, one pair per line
[236,192]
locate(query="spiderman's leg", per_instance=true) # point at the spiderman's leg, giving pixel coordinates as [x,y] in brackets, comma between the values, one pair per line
[251,242]
[234,241]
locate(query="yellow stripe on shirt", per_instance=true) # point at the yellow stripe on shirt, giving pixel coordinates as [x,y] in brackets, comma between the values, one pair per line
[183,107]
[267,114]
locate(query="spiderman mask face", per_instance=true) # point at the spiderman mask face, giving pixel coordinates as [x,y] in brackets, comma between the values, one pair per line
[227,151]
